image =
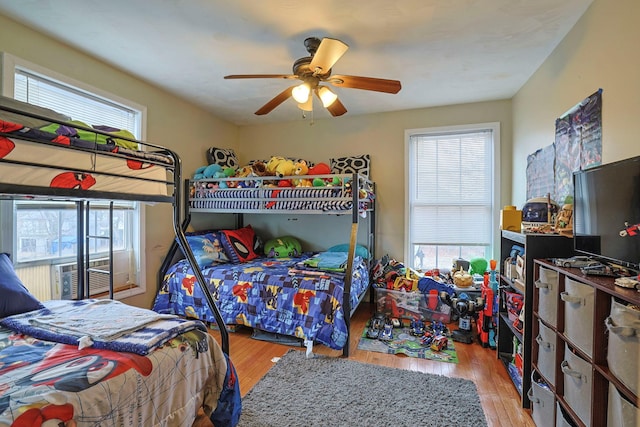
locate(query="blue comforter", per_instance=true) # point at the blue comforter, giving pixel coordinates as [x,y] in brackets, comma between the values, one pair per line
[274,295]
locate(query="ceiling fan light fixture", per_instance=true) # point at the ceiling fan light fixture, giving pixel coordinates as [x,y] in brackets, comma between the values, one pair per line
[327,96]
[301,93]
[306,106]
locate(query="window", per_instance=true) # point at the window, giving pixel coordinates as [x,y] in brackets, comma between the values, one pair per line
[452,188]
[44,234]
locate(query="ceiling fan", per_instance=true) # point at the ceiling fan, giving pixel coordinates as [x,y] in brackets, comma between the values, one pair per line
[314,70]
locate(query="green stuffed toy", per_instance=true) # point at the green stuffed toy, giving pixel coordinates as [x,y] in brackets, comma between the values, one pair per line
[282,247]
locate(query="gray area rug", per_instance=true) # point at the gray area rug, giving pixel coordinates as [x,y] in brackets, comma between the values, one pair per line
[333,391]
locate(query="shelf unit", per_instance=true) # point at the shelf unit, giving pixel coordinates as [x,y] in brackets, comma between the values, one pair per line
[602,291]
[535,246]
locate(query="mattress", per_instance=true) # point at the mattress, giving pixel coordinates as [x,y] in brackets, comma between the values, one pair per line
[31,157]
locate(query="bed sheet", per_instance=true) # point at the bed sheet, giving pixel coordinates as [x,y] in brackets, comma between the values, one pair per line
[43,381]
[266,294]
[63,168]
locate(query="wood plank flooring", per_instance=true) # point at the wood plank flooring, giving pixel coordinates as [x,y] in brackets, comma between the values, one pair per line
[500,399]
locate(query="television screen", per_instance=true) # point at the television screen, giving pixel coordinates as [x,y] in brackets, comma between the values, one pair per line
[606,219]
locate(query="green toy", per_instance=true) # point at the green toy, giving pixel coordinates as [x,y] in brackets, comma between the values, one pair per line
[282,247]
[478,266]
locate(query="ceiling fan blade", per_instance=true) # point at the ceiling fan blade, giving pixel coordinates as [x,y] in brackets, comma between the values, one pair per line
[277,100]
[261,76]
[328,53]
[336,108]
[366,83]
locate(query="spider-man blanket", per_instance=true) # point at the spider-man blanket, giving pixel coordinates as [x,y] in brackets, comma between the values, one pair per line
[44,383]
[266,294]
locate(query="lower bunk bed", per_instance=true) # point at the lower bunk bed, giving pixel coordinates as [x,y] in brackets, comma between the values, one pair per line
[131,368]
[276,295]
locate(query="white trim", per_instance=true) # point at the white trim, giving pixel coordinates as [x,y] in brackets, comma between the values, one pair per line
[8,65]
[11,62]
[408,133]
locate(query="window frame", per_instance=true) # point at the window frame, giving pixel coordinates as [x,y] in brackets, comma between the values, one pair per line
[494,127]
[9,64]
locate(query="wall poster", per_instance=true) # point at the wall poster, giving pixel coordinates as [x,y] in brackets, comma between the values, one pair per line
[577,146]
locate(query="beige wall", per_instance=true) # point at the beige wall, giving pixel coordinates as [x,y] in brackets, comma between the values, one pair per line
[187,129]
[601,51]
[171,122]
[383,137]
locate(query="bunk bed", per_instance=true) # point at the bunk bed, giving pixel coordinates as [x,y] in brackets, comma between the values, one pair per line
[279,296]
[59,363]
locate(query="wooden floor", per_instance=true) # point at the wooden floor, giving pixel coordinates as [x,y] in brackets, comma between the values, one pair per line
[500,400]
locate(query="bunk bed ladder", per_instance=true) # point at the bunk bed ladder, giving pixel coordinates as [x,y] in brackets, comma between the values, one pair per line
[87,269]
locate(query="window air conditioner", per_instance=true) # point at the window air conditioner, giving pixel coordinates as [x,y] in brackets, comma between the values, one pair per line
[64,279]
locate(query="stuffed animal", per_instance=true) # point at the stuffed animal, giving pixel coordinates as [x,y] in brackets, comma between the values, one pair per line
[320,169]
[280,166]
[210,171]
[301,169]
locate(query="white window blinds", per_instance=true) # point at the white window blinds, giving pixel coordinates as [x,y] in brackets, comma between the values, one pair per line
[79,105]
[451,188]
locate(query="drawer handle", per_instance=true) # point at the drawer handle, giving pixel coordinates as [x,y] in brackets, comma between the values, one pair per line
[534,399]
[542,285]
[623,331]
[567,297]
[542,343]
[572,372]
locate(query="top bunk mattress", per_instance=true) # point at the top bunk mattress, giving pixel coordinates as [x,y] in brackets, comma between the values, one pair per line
[41,162]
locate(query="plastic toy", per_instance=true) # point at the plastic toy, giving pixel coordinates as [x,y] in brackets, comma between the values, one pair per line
[630,230]
[466,309]
[577,261]
[376,324]
[439,343]
[387,332]
[487,319]
[417,327]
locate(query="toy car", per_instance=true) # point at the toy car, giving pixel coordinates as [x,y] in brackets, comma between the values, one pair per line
[376,324]
[604,270]
[577,261]
[439,343]
[387,332]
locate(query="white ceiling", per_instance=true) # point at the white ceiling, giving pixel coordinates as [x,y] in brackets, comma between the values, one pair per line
[443,52]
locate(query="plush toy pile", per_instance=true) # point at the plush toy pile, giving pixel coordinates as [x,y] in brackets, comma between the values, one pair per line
[286,173]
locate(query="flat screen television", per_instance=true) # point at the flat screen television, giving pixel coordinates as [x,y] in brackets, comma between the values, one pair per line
[606,212]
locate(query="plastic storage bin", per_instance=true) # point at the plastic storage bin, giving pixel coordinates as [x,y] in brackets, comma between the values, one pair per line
[412,305]
[542,402]
[621,412]
[578,382]
[547,288]
[578,301]
[546,340]
[623,351]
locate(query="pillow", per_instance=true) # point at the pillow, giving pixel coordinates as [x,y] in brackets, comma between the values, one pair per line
[224,157]
[352,164]
[207,248]
[16,298]
[282,247]
[240,244]
[361,251]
